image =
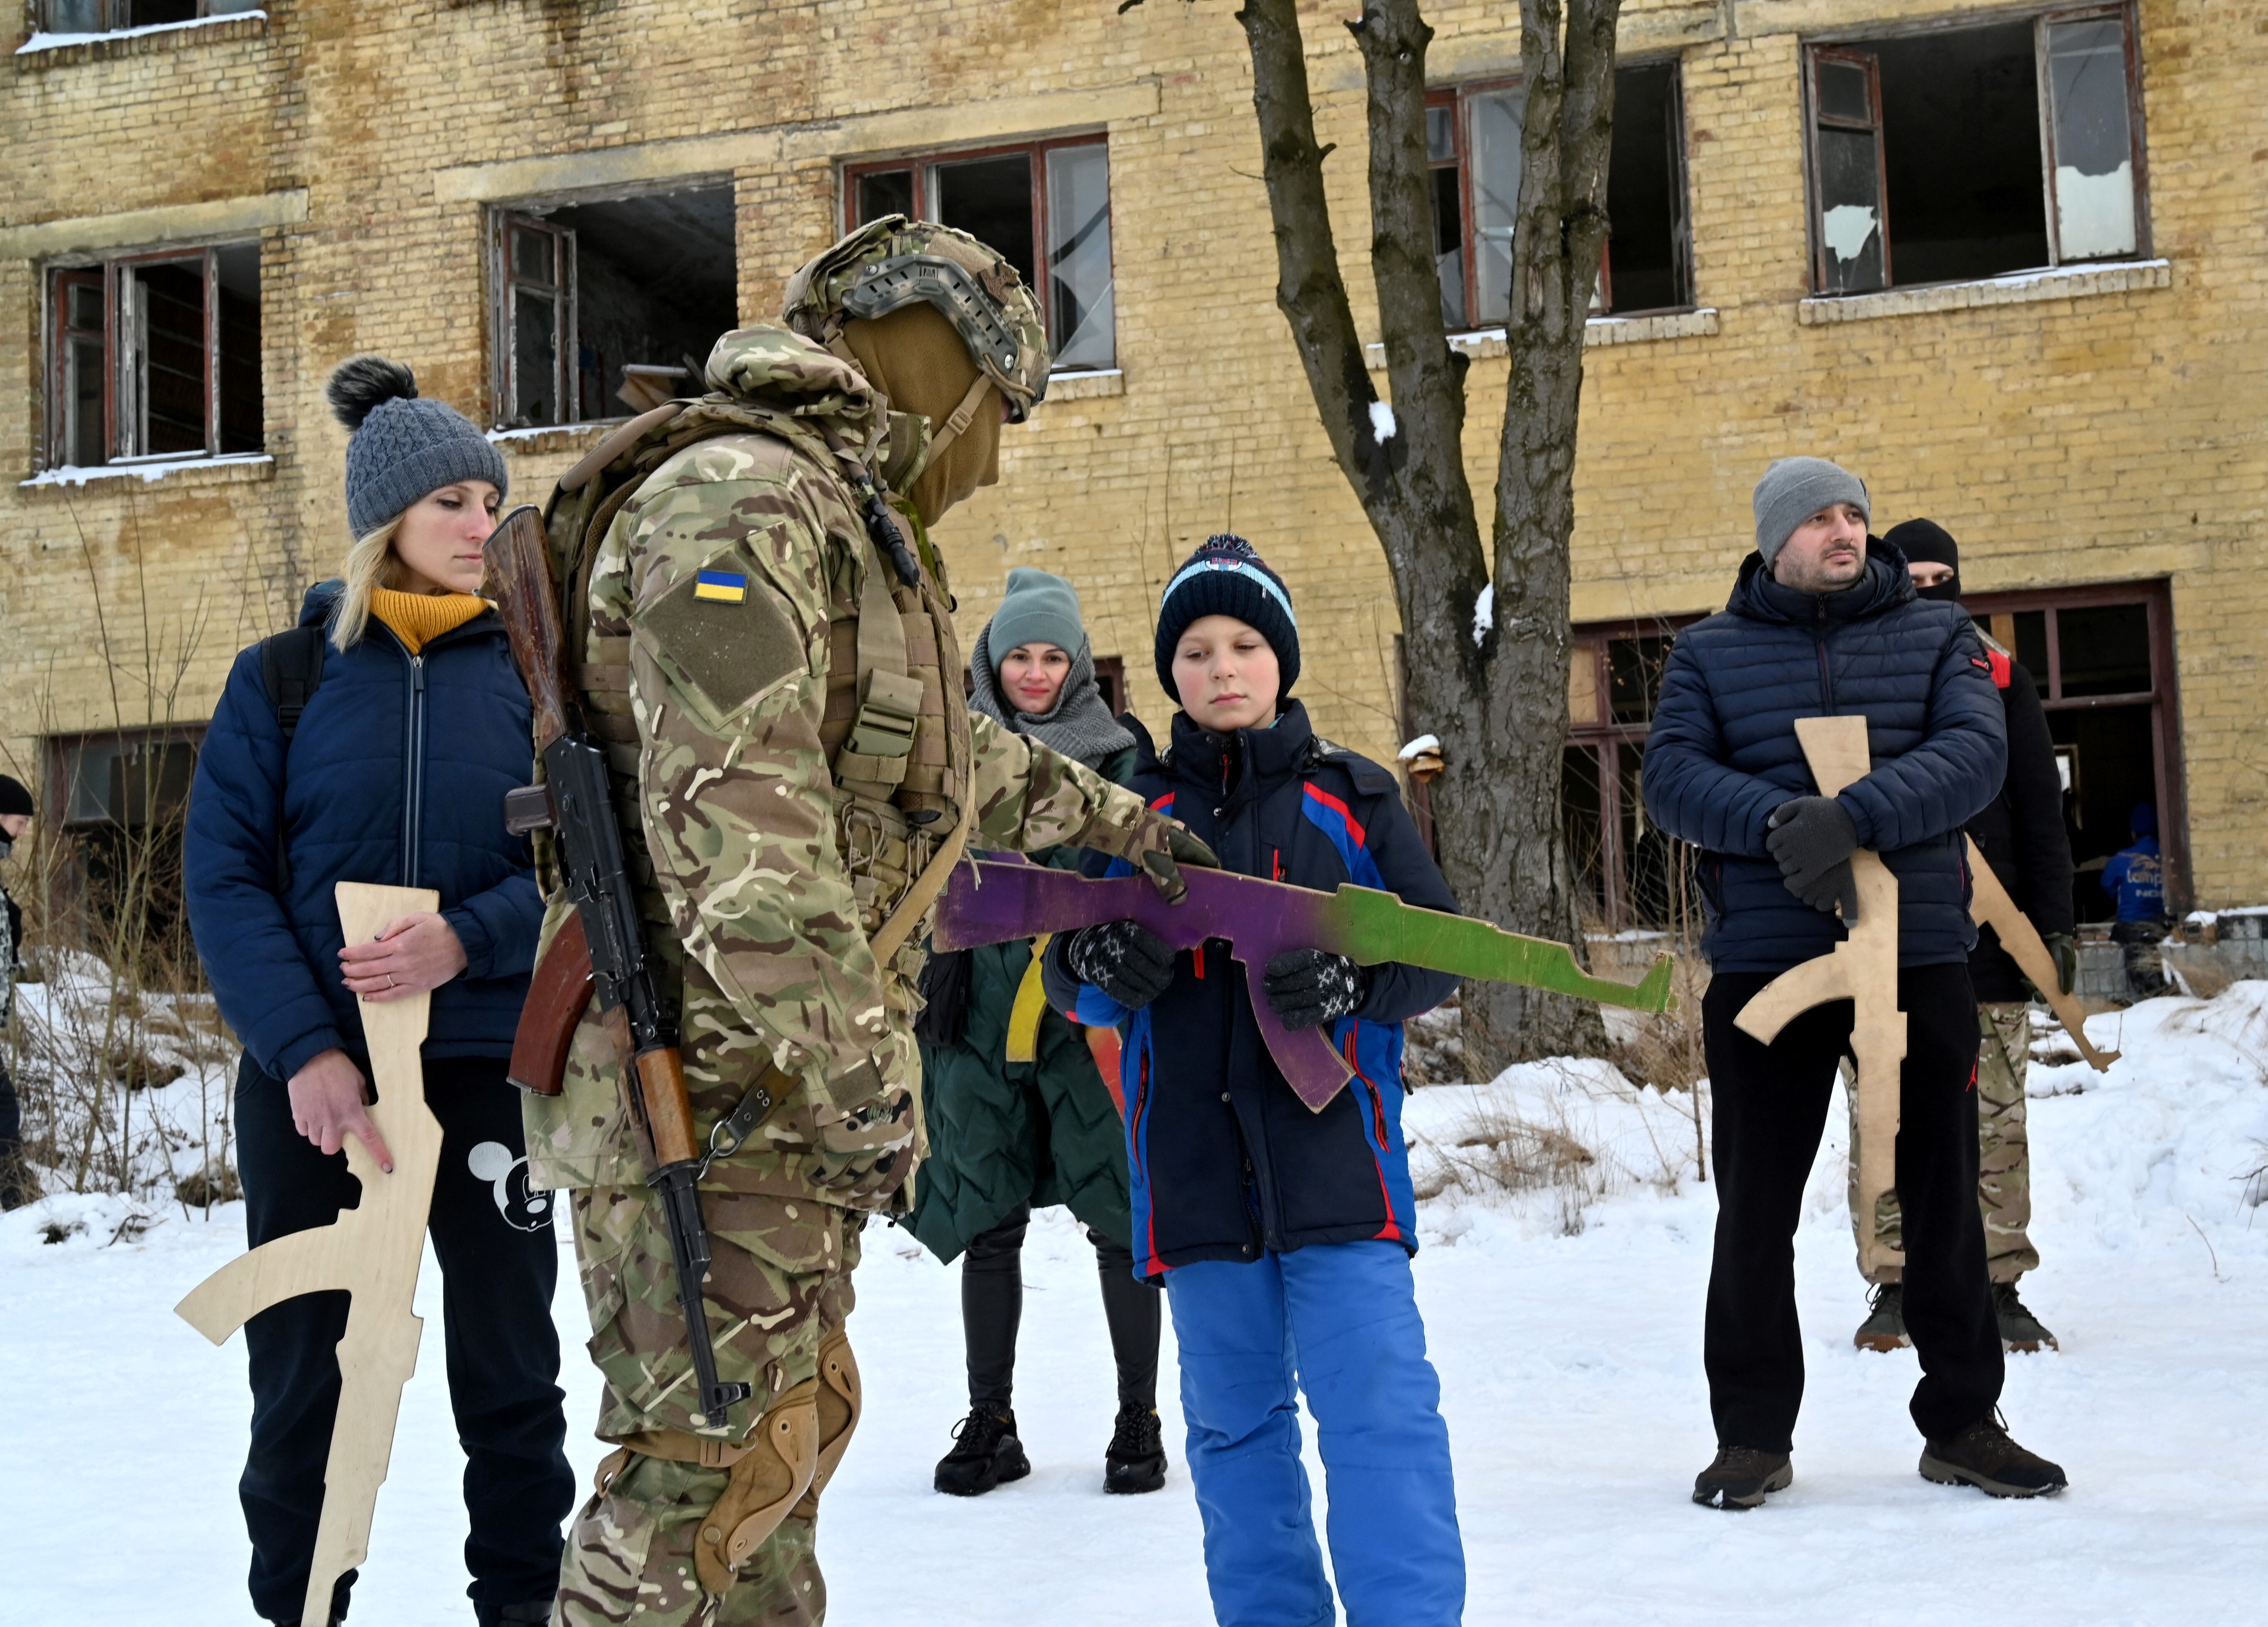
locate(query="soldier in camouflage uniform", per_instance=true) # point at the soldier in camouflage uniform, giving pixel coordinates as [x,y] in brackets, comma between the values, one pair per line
[768,654]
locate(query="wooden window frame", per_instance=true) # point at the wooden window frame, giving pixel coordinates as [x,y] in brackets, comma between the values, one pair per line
[1814,117]
[503,352]
[2122,13]
[1604,737]
[117,16]
[1459,97]
[2155,593]
[923,164]
[118,433]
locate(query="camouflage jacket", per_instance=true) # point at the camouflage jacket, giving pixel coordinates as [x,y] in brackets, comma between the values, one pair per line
[737,807]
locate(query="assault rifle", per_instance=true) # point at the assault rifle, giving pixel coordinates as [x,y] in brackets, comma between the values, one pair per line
[577,806]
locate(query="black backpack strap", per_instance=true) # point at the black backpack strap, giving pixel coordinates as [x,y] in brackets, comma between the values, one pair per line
[290,670]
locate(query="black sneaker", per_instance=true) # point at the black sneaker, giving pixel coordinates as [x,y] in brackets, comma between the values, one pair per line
[985,1454]
[1136,1459]
[2020,1330]
[1740,1477]
[1885,1327]
[1983,1456]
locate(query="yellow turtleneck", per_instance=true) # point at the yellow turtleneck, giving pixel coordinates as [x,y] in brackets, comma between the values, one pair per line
[417,619]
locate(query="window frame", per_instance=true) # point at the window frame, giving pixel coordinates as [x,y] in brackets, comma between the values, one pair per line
[1603,738]
[119,428]
[1461,96]
[2163,697]
[924,163]
[1853,46]
[117,16]
[504,351]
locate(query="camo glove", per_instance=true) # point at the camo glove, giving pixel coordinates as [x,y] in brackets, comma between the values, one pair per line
[1124,959]
[1813,838]
[2064,948]
[1308,988]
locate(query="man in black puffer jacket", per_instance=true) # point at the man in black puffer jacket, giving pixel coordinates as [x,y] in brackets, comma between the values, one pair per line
[1824,621]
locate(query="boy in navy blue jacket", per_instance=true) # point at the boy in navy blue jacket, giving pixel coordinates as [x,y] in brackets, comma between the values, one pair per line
[1282,1235]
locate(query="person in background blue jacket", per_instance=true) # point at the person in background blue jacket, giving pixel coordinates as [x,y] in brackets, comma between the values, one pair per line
[1282,1235]
[2135,876]
[1825,621]
[395,773]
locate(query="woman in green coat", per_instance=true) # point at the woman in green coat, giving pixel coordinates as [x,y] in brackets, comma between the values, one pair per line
[1006,1137]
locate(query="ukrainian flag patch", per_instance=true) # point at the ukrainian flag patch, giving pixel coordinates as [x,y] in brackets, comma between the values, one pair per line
[727,587]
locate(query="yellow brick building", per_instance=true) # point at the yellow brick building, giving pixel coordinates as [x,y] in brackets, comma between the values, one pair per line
[209,206]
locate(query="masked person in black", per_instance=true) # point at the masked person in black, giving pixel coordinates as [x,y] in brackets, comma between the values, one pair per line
[2021,833]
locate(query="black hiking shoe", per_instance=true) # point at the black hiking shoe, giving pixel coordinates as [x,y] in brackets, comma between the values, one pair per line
[1885,1327]
[1983,1456]
[2020,1330]
[1740,1477]
[985,1454]
[1135,1457]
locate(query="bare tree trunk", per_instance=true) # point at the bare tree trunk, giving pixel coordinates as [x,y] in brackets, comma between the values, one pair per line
[1494,692]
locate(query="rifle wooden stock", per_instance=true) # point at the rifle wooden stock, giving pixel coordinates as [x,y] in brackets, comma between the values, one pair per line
[557,995]
[517,560]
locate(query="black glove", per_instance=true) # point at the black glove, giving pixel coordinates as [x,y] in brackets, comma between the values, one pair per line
[2064,948]
[1124,959]
[1813,838]
[1308,988]
[1165,869]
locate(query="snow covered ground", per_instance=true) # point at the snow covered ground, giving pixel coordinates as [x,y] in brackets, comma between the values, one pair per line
[1570,1364]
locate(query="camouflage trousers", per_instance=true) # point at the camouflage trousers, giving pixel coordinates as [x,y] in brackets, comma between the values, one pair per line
[2004,1163]
[778,1288]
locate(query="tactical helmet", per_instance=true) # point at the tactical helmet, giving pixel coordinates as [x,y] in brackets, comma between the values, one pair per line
[888,264]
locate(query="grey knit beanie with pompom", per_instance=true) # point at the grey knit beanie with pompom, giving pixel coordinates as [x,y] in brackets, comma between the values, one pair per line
[404,448]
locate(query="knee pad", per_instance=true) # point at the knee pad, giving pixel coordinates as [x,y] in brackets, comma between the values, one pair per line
[765,1484]
[841,1396]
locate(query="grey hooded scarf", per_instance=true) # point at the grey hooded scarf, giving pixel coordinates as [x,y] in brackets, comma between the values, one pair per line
[1079,725]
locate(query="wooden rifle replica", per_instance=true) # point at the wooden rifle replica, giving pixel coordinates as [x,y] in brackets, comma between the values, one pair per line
[576,804]
[989,901]
[372,1251]
[1863,969]
[1992,907]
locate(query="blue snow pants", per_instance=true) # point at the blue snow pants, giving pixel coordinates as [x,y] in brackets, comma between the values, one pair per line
[1338,1320]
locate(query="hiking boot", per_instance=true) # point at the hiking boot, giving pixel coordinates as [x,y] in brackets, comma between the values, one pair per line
[1983,1456]
[1135,1457]
[985,1454]
[1740,1477]
[2020,1330]
[1885,1327]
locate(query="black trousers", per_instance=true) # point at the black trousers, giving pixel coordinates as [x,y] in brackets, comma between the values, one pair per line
[1769,1105]
[18,1187]
[499,1263]
[992,1307]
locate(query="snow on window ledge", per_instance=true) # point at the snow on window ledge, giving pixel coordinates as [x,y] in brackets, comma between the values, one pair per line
[237,466]
[2017,287]
[1085,386]
[1488,343]
[44,49]
[575,437]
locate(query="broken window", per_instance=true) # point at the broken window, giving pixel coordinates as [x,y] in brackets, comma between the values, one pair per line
[1472,141]
[110,16]
[1045,208]
[1962,153]
[1633,875]
[606,309]
[154,356]
[120,800]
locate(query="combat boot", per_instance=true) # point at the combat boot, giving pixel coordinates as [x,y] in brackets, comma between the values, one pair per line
[2020,1330]
[1885,1327]
[1740,1477]
[1983,1456]
[985,1454]
[1135,1457]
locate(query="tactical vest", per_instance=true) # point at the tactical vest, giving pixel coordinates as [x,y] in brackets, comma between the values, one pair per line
[895,732]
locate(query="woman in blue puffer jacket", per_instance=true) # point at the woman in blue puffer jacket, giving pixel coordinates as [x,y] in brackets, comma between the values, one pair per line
[394,771]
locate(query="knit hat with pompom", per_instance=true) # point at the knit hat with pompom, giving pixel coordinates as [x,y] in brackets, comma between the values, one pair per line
[1227,577]
[403,447]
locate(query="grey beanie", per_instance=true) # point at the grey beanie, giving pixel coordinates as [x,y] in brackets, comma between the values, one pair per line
[404,448]
[1795,489]
[1036,607]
